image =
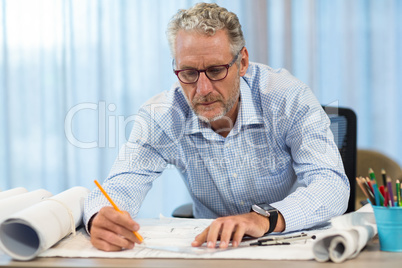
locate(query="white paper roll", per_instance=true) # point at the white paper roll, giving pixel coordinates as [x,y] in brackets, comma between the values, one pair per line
[27,233]
[350,234]
[19,202]
[12,192]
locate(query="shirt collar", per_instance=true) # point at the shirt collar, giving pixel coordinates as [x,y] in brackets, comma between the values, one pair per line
[249,113]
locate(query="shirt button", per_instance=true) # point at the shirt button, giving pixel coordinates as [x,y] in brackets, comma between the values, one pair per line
[234,175]
[227,145]
[242,203]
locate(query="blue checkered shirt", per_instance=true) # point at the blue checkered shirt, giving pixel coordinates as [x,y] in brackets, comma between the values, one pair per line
[280,151]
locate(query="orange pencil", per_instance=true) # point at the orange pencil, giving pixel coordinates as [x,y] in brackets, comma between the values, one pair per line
[115,207]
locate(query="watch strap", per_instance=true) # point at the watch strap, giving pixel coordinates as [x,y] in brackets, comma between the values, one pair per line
[273,216]
[273,220]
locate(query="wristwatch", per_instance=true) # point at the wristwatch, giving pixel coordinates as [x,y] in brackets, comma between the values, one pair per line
[268,211]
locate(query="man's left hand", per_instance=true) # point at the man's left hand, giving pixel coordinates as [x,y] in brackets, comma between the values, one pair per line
[232,228]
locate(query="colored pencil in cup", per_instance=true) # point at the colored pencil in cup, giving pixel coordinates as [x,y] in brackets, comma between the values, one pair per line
[372,175]
[384,178]
[398,193]
[390,192]
[366,189]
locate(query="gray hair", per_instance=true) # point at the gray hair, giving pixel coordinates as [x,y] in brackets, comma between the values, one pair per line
[206,19]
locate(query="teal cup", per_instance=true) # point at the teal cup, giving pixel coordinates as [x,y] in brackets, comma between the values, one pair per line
[389,226]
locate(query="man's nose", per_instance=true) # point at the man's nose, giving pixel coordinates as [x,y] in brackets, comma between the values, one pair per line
[204,85]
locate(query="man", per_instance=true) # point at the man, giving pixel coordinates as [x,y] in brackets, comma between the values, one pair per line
[248,140]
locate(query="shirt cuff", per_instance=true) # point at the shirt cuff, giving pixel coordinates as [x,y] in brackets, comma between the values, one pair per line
[292,213]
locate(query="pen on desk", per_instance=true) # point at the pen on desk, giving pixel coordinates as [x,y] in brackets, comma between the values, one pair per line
[115,207]
[282,240]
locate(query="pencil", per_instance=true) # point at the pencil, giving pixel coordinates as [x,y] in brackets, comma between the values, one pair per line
[379,199]
[398,195]
[384,178]
[390,192]
[369,184]
[366,190]
[372,175]
[361,187]
[384,194]
[115,207]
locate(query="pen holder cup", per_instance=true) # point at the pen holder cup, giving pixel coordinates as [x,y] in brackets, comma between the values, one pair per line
[389,226]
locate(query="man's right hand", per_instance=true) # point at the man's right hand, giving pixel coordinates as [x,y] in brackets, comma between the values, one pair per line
[113,231]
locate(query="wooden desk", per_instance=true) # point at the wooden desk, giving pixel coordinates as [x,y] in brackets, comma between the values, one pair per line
[371,256]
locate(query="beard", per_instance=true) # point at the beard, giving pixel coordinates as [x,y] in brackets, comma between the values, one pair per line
[225,106]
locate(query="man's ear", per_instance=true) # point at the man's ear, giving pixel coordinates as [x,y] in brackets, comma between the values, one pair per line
[243,62]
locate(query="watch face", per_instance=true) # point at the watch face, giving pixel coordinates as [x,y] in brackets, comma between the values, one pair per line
[260,210]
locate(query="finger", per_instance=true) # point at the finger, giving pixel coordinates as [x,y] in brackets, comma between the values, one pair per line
[108,225]
[135,228]
[238,235]
[105,246]
[226,233]
[214,230]
[116,222]
[109,241]
[201,238]
[120,218]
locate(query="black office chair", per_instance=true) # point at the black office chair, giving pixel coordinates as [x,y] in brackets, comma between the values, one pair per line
[344,127]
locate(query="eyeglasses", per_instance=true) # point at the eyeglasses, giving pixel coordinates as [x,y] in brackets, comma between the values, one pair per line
[214,73]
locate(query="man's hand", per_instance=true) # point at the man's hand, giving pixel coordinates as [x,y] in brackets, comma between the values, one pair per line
[232,228]
[113,231]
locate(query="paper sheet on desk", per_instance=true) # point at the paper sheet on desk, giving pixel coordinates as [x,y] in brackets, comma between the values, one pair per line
[349,234]
[171,238]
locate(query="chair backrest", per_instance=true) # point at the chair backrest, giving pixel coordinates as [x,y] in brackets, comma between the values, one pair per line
[344,127]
